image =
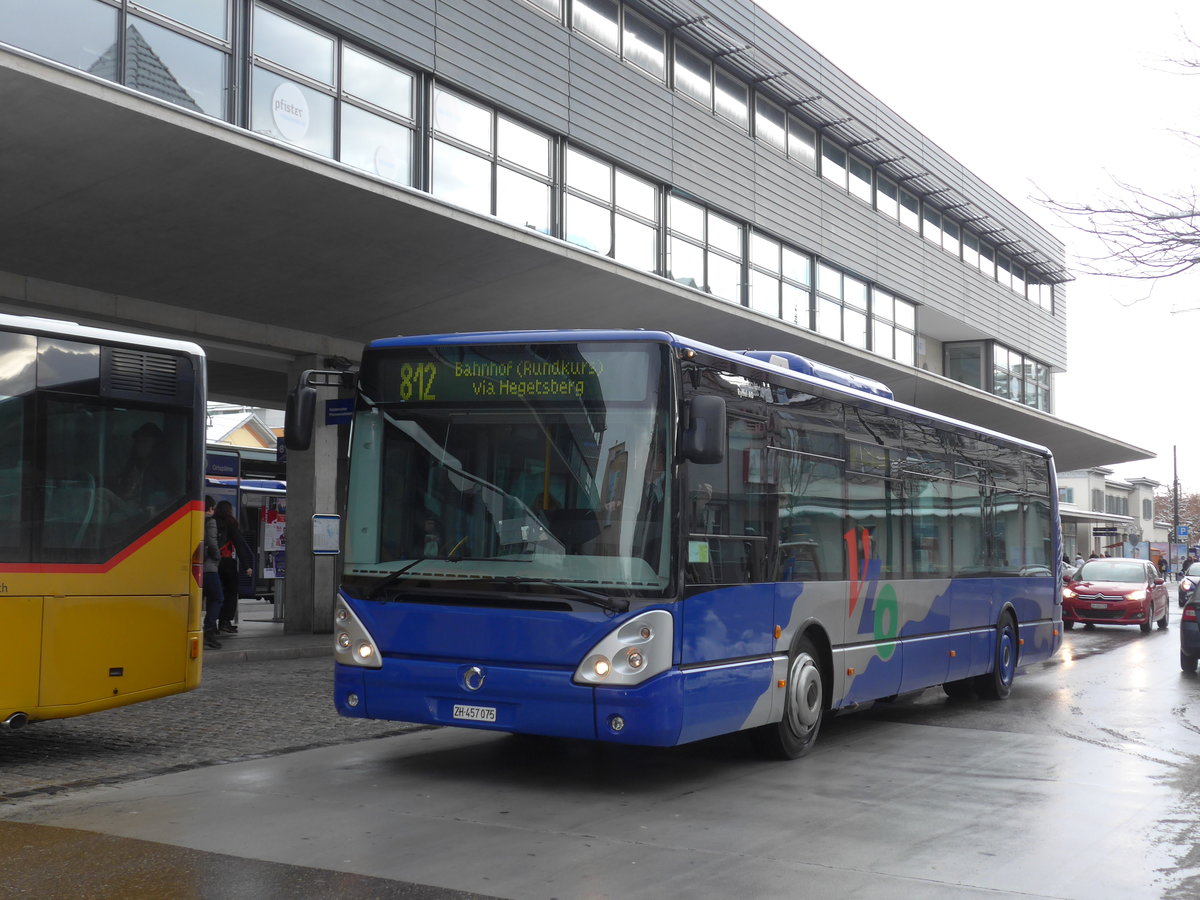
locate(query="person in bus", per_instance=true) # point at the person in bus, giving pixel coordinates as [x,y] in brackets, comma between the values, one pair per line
[213,595]
[236,559]
[144,482]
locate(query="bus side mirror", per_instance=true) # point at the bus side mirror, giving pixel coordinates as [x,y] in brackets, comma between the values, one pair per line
[703,439]
[299,414]
[298,417]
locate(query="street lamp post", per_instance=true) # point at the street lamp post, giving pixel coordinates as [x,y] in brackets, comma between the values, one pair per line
[1175,529]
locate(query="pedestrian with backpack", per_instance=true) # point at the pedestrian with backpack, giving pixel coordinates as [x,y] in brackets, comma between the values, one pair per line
[236,558]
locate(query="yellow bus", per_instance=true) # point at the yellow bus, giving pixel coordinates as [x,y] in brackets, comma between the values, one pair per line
[101,518]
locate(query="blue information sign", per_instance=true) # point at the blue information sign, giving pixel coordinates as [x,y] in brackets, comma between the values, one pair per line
[339,411]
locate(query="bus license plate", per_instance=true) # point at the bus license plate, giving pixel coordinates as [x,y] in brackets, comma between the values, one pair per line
[475,713]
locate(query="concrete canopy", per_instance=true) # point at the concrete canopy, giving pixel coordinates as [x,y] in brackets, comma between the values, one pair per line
[135,213]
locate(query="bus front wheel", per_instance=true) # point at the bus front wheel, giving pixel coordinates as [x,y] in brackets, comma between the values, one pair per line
[803,707]
[997,684]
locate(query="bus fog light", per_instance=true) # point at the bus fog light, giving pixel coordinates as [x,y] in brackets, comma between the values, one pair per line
[343,640]
[634,659]
[364,650]
[601,667]
[616,723]
[352,700]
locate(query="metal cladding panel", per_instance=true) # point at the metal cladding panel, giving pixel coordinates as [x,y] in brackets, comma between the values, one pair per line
[405,29]
[618,111]
[509,54]
[711,160]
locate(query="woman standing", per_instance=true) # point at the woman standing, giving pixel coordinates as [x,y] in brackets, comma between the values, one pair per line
[236,556]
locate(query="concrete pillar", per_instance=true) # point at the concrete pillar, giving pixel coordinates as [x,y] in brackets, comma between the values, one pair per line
[313,477]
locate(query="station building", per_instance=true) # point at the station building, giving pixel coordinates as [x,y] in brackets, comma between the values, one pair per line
[283,180]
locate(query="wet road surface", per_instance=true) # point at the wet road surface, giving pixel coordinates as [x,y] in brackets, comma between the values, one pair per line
[1084,784]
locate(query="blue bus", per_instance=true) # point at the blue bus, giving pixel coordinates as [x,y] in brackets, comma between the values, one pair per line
[632,537]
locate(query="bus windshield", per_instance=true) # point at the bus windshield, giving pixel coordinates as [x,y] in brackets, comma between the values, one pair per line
[509,464]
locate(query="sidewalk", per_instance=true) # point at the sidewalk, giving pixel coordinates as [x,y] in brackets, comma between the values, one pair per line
[261,638]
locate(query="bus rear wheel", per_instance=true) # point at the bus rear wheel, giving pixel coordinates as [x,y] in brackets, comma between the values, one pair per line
[997,684]
[803,707]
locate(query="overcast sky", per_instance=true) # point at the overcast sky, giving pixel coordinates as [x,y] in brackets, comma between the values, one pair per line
[1058,98]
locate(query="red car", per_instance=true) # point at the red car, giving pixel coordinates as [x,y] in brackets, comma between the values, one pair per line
[1115,592]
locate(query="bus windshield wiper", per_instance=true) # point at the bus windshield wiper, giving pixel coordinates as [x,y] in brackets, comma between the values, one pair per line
[612,604]
[396,576]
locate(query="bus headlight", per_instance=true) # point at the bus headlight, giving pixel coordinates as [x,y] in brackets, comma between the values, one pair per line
[637,650]
[353,644]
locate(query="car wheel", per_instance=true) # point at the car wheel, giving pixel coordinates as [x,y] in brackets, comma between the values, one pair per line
[1187,663]
[1166,617]
[803,707]
[1147,621]
[997,684]
[1068,624]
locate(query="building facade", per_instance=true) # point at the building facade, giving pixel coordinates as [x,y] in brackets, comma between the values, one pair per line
[281,180]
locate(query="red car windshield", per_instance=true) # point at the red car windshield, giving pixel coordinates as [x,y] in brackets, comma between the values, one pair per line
[1112,570]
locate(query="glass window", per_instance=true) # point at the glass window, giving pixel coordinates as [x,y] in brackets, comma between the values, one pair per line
[725,277]
[460,177]
[522,146]
[127,457]
[644,45]
[79,33]
[910,210]
[964,363]
[685,262]
[725,234]
[291,112]
[797,266]
[522,200]
[833,163]
[860,179]
[795,303]
[686,217]
[883,338]
[829,281]
[292,45]
[987,259]
[589,176]
[636,196]
[636,244]
[854,327]
[829,317]
[588,224]
[693,75]
[458,118]
[208,16]
[731,98]
[887,197]
[970,245]
[764,252]
[764,292]
[931,225]
[1018,279]
[597,19]
[906,314]
[770,123]
[551,6]
[376,82]
[167,65]
[951,237]
[802,142]
[376,145]
[854,292]
[1003,270]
